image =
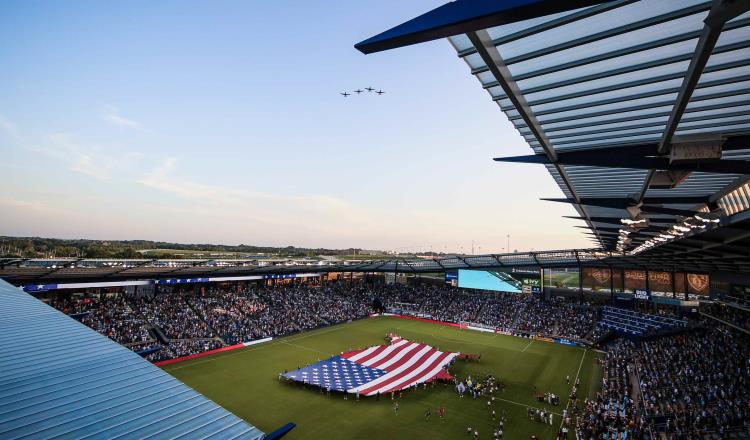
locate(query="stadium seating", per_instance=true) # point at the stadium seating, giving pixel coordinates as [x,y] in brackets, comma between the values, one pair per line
[632,323]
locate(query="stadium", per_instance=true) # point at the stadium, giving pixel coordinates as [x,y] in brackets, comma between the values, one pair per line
[639,111]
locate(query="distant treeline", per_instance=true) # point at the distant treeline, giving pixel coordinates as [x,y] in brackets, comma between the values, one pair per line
[36,247]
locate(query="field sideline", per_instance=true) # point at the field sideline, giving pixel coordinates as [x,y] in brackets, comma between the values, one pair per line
[245,381]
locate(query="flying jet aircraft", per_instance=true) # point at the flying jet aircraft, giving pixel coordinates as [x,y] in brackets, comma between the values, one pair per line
[369,89]
[358,91]
[345,94]
[380,92]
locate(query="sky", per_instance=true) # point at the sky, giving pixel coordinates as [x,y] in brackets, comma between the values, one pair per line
[221,122]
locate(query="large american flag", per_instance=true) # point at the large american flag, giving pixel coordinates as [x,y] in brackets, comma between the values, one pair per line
[378,369]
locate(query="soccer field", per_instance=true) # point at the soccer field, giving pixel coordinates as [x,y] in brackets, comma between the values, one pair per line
[246,382]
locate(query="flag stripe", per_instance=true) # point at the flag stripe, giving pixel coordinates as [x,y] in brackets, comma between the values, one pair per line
[425,369]
[355,355]
[383,354]
[435,371]
[404,366]
[395,355]
[391,381]
[401,365]
[389,365]
[369,354]
[377,369]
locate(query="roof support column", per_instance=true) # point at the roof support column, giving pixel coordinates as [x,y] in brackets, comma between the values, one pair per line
[491,56]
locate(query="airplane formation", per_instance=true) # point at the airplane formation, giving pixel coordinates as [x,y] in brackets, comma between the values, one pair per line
[358,91]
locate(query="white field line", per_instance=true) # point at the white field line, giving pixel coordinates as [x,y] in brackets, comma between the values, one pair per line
[580,364]
[528,406]
[303,347]
[527,345]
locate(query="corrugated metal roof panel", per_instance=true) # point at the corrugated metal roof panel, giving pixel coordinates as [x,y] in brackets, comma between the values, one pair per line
[60,379]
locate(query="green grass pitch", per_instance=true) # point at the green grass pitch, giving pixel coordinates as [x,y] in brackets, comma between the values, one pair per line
[245,381]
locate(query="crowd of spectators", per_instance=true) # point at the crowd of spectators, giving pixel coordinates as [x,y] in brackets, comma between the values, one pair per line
[510,312]
[613,413]
[524,313]
[211,315]
[230,314]
[171,313]
[683,386]
[251,314]
[599,332]
[697,383]
[733,315]
[687,386]
[110,315]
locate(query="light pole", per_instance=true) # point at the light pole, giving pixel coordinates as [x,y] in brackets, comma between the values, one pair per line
[508,236]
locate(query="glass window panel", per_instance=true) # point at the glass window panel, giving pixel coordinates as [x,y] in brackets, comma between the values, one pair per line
[511,28]
[610,134]
[521,126]
[726,74]
[613,141]
[717,122]
[602,118]
[728,57]
[461,42]
[741,17]
[505,102]
[718,129]
[511,113]
[685,48]
[495,91]
[602,128]
[474,61]
[602,22]
[713,113]
[736,154]
[613,107]
[733,36]
[611,81]
[719,101]
[724,88]
[486,77]
[614,94]
[658,32]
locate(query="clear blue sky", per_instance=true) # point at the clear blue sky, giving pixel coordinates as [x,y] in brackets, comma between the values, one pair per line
[222,122]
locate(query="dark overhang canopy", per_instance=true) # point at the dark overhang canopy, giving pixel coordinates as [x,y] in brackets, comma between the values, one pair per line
[640,110]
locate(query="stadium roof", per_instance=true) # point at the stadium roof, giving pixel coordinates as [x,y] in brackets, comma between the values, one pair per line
[713,245]
[638,109]
[61,379]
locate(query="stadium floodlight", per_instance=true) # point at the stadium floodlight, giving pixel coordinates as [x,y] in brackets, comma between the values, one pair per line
[638,221]
[707,218]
